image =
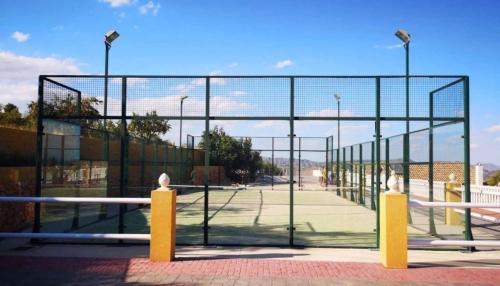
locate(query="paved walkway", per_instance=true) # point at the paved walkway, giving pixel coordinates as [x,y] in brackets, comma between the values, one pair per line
[21,270]
[52,264]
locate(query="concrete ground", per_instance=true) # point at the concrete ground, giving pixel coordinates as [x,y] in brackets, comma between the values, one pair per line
[50,264]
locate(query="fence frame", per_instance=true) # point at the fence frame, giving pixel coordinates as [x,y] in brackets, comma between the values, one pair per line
[291,118]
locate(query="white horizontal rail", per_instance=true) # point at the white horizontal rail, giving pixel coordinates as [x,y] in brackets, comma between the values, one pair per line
[419,242]
[76,235]
[421,204]
[92,200]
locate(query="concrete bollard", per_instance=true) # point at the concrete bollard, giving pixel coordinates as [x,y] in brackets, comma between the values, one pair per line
[451,195]
[163,203]
[393,226]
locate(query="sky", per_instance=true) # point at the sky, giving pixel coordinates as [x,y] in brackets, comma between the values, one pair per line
[260,38]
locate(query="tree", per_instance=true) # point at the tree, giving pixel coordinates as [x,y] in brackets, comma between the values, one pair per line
[66,106]
[494,179]
[149,128]
[237,157]
[10,115]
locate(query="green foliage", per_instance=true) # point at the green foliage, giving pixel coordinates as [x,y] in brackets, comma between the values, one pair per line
[237,157]
[10,115]
[493,179]
[148,129]
[270,169]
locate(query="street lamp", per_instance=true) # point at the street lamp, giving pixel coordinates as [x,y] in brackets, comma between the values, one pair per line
[405,37]
[180,140]
[109,37]
[337,98]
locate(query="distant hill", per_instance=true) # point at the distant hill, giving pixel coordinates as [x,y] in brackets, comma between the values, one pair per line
[284,162]
[490,167]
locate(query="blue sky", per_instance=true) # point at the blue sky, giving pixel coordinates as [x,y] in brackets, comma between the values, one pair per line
[259,37]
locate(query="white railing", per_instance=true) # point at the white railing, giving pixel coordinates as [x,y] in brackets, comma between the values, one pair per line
[461,205]
[484,194]
[124,236]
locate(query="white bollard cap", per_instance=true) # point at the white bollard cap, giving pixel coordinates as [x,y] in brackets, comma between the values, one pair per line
[164,181]
[393,183]
[453,178]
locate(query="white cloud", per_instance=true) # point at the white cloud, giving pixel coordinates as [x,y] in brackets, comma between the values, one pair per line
[20,36]
[388,47]
[186,87]
[497,139]
[19,75]
[150,6]
[118,3]
[283,64]
[474,146]
[494,128]
[268,124]
[233,65]
[238,93]
[329,112]
[58,28]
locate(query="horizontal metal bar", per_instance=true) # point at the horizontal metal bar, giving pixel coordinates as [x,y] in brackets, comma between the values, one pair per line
[128,236]
[92,200]
[252,118]
[422,242]
[421,204]
[254,76]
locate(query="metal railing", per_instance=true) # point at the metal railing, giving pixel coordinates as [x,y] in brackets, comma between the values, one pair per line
[461,205]
[90,200]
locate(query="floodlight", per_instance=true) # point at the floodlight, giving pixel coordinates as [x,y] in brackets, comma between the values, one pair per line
[403,36]
[110,36]
[337,97]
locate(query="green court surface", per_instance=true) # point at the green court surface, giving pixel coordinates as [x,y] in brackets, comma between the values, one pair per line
[261,217]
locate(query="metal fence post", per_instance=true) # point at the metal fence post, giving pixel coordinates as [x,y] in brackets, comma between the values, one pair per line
[326,163]
[123,157]
[292,134]
[377,152]
[272,164]
[300,165]
[372,176]
[207,159]
[387,162]
[39,154]
[361,175]
[467,196]
[406,170]
[351,170]
[430,173]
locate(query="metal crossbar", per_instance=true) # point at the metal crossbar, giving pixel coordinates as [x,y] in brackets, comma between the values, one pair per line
[125,236]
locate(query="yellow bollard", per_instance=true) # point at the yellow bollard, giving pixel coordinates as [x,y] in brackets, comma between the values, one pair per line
[393,227]
[450,195]
[162,245]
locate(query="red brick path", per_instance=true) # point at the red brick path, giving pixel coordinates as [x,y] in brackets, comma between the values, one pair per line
[253,268]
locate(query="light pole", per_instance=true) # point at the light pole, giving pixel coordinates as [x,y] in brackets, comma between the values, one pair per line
[405,37]
[180,139]
[337,98]
[109,37]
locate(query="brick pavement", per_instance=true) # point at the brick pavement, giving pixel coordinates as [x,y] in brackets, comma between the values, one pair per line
[24,270]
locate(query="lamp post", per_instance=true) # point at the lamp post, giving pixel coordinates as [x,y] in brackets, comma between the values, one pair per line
[405,37]
[337,98]
[109,37]
[180,139]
